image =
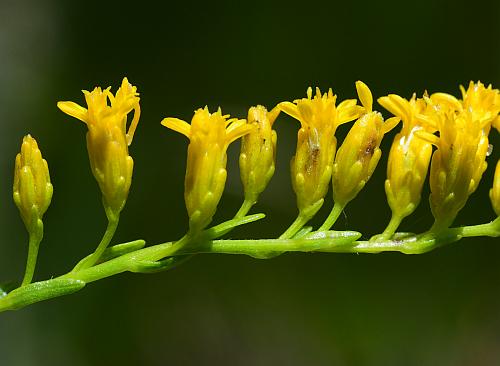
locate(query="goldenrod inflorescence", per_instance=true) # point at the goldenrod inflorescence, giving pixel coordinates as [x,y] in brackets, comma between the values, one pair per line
[458,128]
[441,136]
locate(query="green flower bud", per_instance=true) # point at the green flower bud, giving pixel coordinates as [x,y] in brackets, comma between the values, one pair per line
[32,187]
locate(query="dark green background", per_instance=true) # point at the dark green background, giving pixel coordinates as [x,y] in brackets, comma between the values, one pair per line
[441,308]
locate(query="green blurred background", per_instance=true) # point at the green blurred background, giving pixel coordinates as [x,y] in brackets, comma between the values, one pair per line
[441,308]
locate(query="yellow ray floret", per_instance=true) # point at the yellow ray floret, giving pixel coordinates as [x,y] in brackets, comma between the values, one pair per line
[209,134]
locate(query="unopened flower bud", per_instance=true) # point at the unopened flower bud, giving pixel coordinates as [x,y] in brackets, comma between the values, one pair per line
[258,152]
[32,187]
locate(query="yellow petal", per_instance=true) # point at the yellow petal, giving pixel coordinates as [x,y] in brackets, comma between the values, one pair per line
[235,124]
[396,105]
[350,113]
[347,103]
[134,123]
[390,123]
[241,129]
[427,136]
[365,95]
[74,110]
[290,109]
[273,114]
[178,125]
[447,100]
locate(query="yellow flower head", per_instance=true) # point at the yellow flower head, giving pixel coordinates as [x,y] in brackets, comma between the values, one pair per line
[359,154]
[316,144]
[108,139]
[495,191]
[32,188]
[258,152]
[409,156]
[209,136]
[460,159]
[483,102]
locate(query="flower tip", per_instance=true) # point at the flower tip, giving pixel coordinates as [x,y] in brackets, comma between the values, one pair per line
[309,92]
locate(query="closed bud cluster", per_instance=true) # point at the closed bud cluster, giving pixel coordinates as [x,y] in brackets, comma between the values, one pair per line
[409,156]
[311,166]
[108,139]
[209,137]
[258,152]
[32,187]
[359,154]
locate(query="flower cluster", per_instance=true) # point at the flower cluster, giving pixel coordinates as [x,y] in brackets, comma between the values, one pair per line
[458,128]
[441,136]
[462,146]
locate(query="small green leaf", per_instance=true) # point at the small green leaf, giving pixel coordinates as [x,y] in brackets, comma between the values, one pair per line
[121,249]
[221,229]
[113,252]
[39,291]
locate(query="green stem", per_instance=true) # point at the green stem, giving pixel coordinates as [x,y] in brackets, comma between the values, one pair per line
[490,229]
[127,262]
[244,209]
[332,217]
[143,260]
[299,222]
[389,230]
[34,243]
[106,239]
[266,248]
[74,281]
